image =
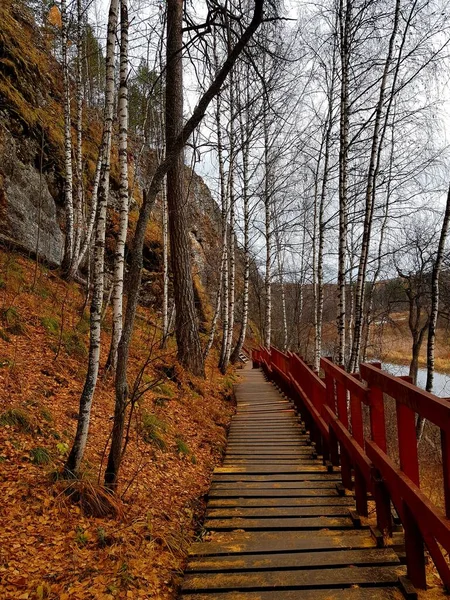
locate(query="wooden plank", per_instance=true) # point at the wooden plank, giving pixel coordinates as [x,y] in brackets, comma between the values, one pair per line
[281,502]
[265,462]
[270,449]
[279,523]
[298,560]
[281,485]
[315,467]
[381,575]
[269,493]
[256,542]
[273,477]
[327,594]
[277,511]
[261,409]
[254,436]
[290,425]
[288,419]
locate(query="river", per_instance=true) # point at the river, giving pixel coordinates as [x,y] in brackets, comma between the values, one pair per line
[441,380]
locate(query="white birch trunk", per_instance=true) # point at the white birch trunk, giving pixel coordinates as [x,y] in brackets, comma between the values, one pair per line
[435,296]
[225,208]
[434,312]
[68,181]
[245,132]
[73,463]
[119,259]
[283,298]
[370,201]
[232,242]
[215,320]
[89,228]
[231,285]
[78,203]
[344,25]
[268,233]
[165,304]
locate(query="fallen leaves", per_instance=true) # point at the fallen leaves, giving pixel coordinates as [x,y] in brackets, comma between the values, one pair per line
[49,549]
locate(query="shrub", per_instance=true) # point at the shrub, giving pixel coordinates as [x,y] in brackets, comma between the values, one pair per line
[40,456]
[4,336]
[13,321]
[74,344]
[46,414]
[182,447]
[17,417]
[51,325]
[153,429]
[93,499]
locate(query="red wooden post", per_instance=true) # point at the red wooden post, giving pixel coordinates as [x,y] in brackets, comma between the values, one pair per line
[346,469]
[357,419]
[382,504]
[377,423]
[445,445]
[407,442]
[415,550]
[334,448]
[329,394]
[342,408]
[360,493]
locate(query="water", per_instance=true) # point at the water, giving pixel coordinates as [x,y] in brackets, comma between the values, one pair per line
[441,380]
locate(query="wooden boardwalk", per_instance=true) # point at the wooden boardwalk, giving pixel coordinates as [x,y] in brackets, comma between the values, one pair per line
[279,528]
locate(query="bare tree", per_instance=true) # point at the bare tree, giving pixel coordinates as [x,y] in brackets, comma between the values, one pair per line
[75,457]
[68,176]
[119,257]
[135,269]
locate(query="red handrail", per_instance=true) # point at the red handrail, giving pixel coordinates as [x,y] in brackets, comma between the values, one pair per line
[333,411]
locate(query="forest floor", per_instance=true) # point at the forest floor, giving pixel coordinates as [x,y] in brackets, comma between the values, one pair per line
[50,546]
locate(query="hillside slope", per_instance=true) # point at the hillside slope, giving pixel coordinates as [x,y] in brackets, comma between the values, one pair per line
[53,545]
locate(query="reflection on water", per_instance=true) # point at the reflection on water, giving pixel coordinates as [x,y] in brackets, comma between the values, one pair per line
[441,380]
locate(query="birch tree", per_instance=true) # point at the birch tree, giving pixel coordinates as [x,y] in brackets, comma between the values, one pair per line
[370,196]
[119,257]
[73,463]
[173,152]
[434,310]
[68,175]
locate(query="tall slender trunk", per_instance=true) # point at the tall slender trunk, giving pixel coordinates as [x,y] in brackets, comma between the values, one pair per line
[283,297]
[231,282]
[76,455]
[370,200]
[345,12]
[381,238]
[267,197]
[318,308]
[119,257]
[68,180]
[435,296]
[78,203]
[215,319]
[89,228]
[136,258]
[225,208]
[432,325]
[232,240]
[188,342]
[245,130]
[165,304]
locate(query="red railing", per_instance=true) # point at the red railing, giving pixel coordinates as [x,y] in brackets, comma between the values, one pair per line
[346,420]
